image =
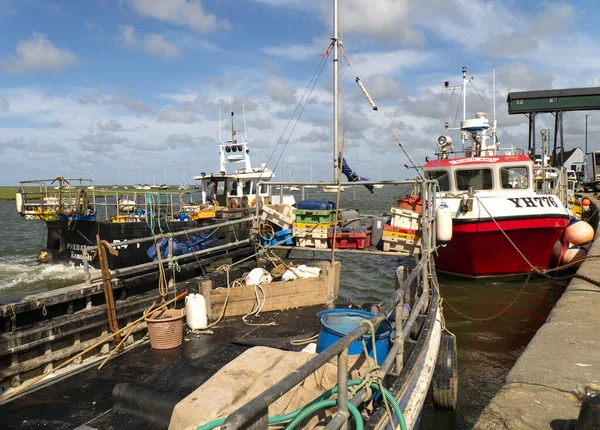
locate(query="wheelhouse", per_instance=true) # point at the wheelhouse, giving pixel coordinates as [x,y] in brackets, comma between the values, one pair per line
[498,174]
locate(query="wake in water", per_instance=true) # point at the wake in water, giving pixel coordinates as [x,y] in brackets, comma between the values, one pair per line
[21,276]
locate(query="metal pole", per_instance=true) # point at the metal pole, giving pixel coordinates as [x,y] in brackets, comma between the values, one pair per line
[335,90]
[586,129]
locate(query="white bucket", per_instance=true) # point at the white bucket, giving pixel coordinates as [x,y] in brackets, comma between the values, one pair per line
[195,311]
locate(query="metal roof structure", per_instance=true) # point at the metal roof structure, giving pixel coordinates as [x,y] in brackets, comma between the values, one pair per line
[556,102]
[564,100]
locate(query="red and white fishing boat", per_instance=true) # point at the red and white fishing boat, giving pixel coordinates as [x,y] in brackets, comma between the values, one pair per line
[490,194]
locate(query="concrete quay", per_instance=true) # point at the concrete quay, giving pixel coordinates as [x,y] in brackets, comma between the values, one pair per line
[561,364]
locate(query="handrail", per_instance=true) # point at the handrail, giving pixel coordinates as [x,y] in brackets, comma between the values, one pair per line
[259,404]
[170,259]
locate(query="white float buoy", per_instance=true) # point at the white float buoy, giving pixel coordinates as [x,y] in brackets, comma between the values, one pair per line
[579,232]
[443,223]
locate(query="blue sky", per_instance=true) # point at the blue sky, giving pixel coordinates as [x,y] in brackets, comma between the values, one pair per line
[115,87]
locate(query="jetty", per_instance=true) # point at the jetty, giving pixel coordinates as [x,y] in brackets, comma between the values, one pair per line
[561,365]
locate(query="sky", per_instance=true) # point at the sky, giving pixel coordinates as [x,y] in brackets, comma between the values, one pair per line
[122,90]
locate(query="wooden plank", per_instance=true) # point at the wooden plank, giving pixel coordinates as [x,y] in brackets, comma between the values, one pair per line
[273,303]
[280,295]
[273,289]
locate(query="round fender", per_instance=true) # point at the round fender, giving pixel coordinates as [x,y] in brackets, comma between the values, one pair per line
[445,375]
[233,203]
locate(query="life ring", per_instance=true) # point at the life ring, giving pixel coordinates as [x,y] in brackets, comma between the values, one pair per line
[81,203]
[233,204]
[253,202]
[245,201]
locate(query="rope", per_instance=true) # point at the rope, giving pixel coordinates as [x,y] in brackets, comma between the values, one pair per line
[382,115]
[300,342]
[373,375]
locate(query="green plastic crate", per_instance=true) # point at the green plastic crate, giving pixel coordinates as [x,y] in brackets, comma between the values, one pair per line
[308,216]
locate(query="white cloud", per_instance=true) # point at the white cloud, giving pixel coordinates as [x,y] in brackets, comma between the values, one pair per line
[92,26]
[38,54]
[127,36]
[101,141]
[382,19]
[189,13]
[152,43]
[279,92]
[4,104]
[178,114]
[111,125]
[156,45]
[386,63]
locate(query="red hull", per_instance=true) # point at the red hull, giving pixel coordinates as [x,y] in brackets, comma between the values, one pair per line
[480,248]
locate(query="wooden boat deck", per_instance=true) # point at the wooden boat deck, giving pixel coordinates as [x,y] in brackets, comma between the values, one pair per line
[156,380]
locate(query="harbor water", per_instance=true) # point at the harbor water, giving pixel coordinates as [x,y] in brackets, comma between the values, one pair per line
[486,349]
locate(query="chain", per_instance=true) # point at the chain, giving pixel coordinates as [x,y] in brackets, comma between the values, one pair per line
[490,318]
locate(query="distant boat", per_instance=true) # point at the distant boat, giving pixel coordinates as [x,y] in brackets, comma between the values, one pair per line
[378,186]
[292,188]
[184,186]
[163,187]
[126,205]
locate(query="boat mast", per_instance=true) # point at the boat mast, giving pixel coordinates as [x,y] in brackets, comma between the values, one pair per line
[335,90]
[494,137]
[463,135]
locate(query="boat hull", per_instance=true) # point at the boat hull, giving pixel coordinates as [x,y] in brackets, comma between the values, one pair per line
[66,240]
[480,248]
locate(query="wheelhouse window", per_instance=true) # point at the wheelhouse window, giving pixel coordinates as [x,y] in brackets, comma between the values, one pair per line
[514,177]
[441,176]
[478,179]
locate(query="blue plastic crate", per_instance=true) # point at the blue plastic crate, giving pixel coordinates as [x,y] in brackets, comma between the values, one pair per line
[283,237]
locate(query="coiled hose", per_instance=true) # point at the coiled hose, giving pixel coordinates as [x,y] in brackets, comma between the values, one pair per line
[322,402]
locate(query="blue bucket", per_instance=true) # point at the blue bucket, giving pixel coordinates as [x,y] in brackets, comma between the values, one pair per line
[336,323]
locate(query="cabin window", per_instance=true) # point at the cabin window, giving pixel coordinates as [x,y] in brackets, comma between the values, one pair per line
[515,177]
[233,188]
[220,188]
[264,189]
[478,179]
[441,176]
[246,187]
[520,102]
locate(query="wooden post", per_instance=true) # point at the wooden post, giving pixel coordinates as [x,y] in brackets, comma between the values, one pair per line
[111,311]
[205,289]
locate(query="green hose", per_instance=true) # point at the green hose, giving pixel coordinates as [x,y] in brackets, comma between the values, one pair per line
[319,403]
[324,404]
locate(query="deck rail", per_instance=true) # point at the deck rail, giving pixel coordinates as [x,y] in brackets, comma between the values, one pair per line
[417,284]
[79,197]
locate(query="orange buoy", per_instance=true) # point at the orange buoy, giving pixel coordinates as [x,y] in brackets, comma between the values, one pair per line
[579,232]
[574,253]
[585,204]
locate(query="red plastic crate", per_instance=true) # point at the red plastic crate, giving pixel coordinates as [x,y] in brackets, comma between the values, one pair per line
[401,230]
[352,240]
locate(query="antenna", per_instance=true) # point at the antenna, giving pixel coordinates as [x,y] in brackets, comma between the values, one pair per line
[244,115]
[494,96]
[220,128]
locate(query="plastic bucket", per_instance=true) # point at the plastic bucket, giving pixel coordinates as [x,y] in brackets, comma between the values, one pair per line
[336,323]
[165,328]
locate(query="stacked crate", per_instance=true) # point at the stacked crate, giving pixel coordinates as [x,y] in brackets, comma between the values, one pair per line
[350,238]
[281,216]
[403,234]
[310,228]
[280,219]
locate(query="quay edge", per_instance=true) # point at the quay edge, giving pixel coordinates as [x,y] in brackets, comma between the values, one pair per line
[561,364]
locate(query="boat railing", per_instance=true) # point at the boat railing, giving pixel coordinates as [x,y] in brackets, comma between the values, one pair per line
[417,287]
[80,197]
[304,187]
[171,259]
